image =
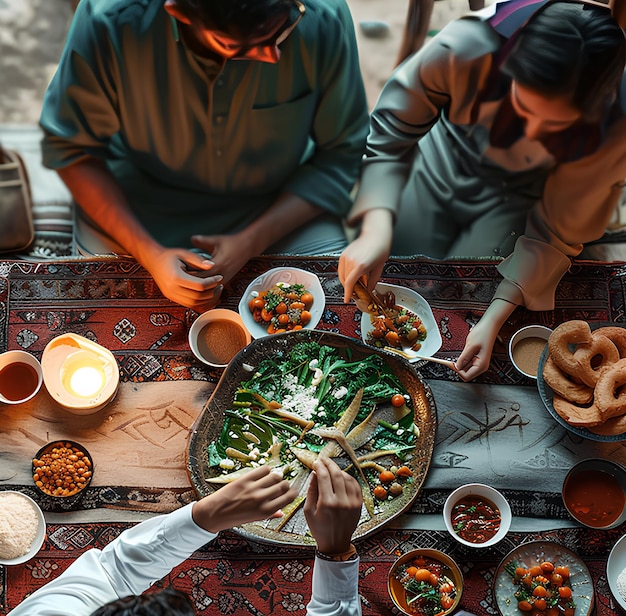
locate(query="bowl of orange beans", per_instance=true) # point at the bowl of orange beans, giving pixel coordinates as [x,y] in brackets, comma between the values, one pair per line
[424,582]
[62,469]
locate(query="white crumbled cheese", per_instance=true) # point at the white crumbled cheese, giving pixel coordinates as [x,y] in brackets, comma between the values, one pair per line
[400,432]
[313,364]
[227,463]
[340,393]
[318,375]
[300,399]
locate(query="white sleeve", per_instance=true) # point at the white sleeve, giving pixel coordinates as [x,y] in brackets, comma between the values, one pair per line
[335,589]
[127,566]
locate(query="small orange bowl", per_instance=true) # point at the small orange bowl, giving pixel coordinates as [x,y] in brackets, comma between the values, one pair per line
[446,570]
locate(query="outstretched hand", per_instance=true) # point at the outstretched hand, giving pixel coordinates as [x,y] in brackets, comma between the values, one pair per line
[229,253]
[333,507]
[366,255]
[255,496]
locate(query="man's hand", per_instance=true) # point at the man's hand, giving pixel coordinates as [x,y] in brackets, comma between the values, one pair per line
[255,496]
[229,253]
[366,255]
[173,271]
[333,507]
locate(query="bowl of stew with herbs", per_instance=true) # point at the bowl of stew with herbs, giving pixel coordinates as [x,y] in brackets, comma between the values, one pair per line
[477,515]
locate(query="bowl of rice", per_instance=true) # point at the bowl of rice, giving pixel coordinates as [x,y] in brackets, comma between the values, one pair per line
[22,528]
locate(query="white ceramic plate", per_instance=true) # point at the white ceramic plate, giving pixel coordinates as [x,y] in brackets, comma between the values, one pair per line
[534,553]
[288,275]
[409,299]
[614,566]
[39,537]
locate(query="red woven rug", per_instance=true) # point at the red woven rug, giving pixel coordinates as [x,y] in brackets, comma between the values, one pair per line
[233,576]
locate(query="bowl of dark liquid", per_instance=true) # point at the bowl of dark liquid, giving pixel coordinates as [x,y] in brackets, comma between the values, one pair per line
[20,377]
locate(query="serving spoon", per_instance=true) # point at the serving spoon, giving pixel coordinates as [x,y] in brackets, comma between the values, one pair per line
[444,362]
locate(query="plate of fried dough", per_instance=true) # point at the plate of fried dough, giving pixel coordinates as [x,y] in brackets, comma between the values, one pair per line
[582,379]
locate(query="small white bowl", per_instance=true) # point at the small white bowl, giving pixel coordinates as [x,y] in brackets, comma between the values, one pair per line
[615,565]
[409,299]
[200,342]
[9,362]
[482,491]
[287,275]
[39,537]
[525,348]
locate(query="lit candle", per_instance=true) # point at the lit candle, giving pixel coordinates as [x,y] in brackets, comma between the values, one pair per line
[86,381]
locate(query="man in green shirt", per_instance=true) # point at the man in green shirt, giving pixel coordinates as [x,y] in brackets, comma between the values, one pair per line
[236,127]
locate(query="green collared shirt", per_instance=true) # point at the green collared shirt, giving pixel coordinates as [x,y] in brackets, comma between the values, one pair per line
[208,144]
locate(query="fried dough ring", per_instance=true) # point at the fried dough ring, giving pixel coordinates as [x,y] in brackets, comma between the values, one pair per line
[610,427]
[593,358]
[578,416]
[563,385]
[617,335]
[610,391]
[570,332]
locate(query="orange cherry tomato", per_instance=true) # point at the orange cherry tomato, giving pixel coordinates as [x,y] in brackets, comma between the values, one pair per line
[297,305]
[422,575]
[283,319]
[565,592]
[266,315]
[535,571]
[547,567]
[539,591]
[297,327]
[556,579]
[307,299]
[540,604]
[305,317]
[404,471]
[433,580]
[386,477]
[521,571]
[446,602]
[392,338]
[564,571]
[446,589]
[271,329]
[380,493]
[569,611]
[397,400]
[377,334]
[524,606]
[281,308]
[258,303]
[411,571]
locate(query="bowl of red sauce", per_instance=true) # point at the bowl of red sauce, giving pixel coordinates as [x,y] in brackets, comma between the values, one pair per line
[477,515]
[594,493]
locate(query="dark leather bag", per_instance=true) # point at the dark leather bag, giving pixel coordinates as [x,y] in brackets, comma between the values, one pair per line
[16,218]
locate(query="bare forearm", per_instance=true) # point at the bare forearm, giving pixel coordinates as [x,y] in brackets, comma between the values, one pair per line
[97,192]
[287,214]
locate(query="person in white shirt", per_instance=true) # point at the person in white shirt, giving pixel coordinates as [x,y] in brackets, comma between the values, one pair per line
[109,582]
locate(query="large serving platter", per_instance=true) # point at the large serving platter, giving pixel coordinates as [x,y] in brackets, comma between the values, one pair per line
[210,422]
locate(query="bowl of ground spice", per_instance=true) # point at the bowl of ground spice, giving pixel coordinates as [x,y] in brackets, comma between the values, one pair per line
[216,336]
[526,347]
[22,528]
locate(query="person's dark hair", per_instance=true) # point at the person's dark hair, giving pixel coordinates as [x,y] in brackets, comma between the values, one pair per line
[165,602]
[573,50]
[243,18]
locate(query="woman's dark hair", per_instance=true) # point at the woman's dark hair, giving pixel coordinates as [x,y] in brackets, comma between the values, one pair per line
[573,50]
[243,18]
[165,602]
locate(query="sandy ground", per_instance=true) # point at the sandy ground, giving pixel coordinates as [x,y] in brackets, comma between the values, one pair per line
[32,34]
